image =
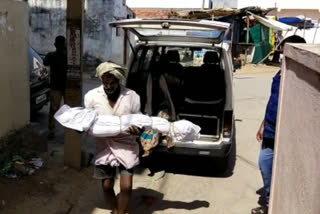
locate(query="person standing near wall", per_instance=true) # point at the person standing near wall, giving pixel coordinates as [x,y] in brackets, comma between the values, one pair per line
[267,131]
[57,61]
[266,135]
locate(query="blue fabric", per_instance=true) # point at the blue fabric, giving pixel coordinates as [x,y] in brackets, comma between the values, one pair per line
[265,164]
[148,135]
[266,153]
[295,21]
[290,20]
[272,108]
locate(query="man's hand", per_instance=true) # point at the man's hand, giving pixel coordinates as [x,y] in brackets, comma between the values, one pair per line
[133,130]
[260,132]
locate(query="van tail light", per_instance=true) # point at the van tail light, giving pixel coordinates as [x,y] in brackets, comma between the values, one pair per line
[227,123]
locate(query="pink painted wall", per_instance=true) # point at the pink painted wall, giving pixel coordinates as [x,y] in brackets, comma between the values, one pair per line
[296,175]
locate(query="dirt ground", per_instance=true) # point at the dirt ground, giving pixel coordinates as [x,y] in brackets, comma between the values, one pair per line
[55,189]
[52,189]
[252,68]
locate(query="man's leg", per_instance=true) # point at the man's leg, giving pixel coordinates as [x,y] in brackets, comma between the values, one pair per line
[108,191]
[125,189]
[106,174]
[125,193]
[55,101]
[265,164]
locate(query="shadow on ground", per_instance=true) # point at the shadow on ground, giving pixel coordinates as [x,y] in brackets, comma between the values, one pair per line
[147,201]
[187,165]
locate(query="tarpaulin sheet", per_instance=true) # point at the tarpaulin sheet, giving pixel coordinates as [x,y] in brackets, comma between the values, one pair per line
[273,23]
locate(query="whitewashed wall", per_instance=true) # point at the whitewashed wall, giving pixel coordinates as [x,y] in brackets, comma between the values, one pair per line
[167,3]
[48,20]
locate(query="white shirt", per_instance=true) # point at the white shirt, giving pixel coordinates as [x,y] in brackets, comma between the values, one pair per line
[122,149]
[127,103]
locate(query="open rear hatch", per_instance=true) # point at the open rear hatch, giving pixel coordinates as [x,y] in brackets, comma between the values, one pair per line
[195,31]
[208,113]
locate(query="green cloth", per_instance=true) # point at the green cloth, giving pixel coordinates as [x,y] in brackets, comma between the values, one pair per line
[260,36]
[7,166]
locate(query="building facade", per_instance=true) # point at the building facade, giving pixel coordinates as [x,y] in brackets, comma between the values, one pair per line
[101,43]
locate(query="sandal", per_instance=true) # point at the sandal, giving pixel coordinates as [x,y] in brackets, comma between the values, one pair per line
[259,210]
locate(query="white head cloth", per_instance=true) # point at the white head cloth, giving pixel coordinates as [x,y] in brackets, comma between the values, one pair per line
[109,67]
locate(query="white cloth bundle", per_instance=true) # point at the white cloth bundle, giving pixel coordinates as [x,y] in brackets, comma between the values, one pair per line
[184,130]
[139,120]
[109,125]
[82,119]
[160,124]
[77,118]
[106,126]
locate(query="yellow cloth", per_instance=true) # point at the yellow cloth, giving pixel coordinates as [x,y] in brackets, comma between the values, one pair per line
[109,67]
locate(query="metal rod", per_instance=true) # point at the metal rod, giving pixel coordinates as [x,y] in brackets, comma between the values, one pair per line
[248,29]
[304,26]
[232,30]
[315,33]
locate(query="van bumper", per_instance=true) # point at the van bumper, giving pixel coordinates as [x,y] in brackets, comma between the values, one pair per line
[208,149]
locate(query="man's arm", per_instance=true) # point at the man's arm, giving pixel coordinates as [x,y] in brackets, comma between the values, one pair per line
[135,105]
[260,132]
[88,101]
[47,59]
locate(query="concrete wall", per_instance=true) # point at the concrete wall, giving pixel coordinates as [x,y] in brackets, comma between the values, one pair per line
[97,33]
[296,184]
[280,4]
[167,3]
[117,38]
[14,75]
[48,20]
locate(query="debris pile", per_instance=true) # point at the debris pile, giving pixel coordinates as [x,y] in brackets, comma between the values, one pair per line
[18,166]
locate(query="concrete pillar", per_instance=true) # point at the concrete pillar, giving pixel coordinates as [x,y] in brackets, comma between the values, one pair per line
[295,183]
[14,66]
[72,144]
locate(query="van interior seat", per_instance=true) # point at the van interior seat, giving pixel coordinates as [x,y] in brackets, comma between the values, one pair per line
[211,59]
[204,94]
[173,73]
[173,66]
[205,84]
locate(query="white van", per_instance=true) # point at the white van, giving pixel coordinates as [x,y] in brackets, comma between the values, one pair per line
[197,68]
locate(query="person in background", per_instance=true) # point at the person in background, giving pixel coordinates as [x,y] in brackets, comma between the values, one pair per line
[111,98]
[57,61]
